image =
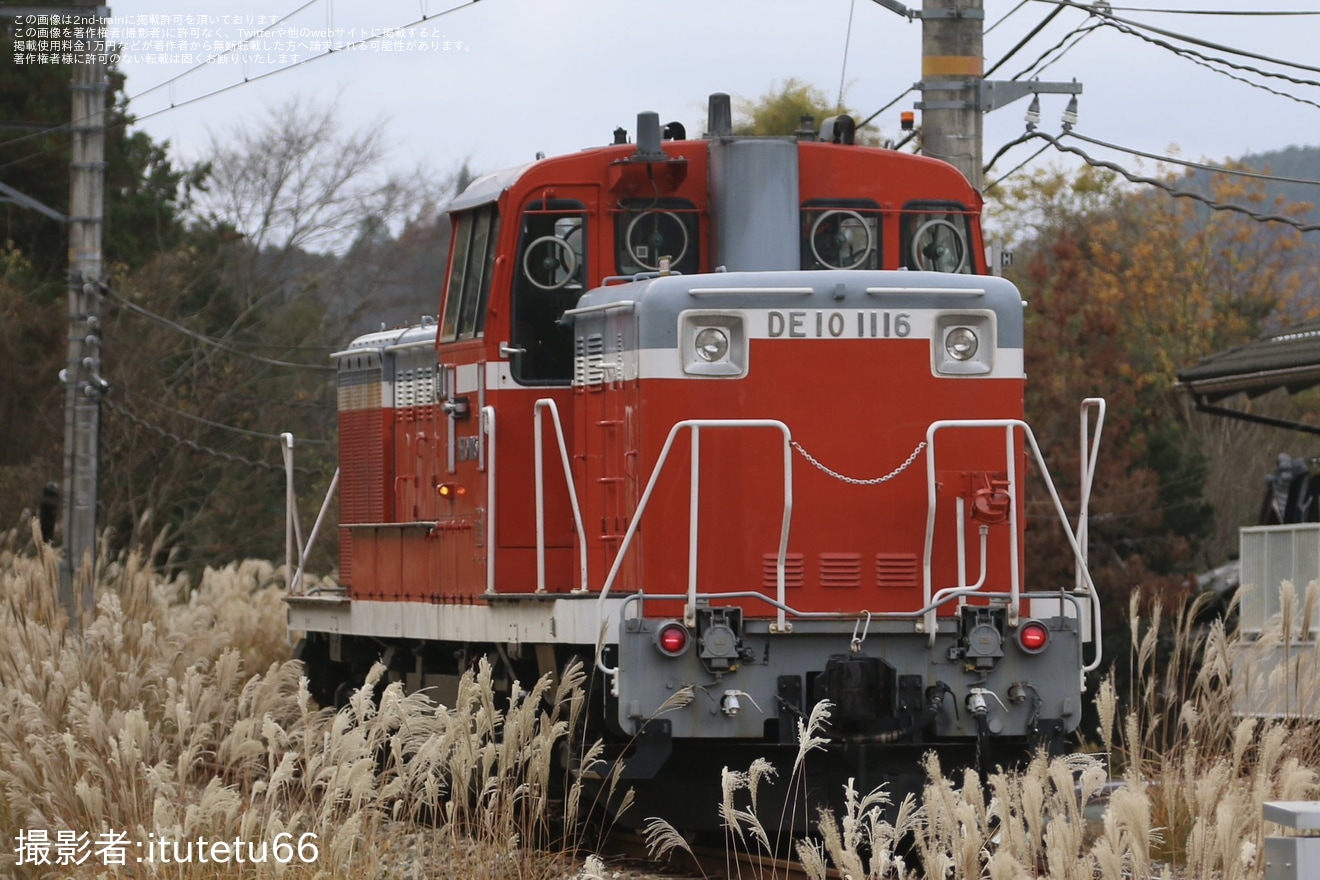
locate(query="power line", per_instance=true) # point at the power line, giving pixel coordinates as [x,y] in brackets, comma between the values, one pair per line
[1185,53]
[897,98]
[230,49]
[847,42]
[1177,193]
[1200,62]
[1200,166]
[1225,12]
[1109,17]
[1022,42]
[220,425]
[1015,168]
[1005,16]
[207,340]
[193,445]
[223,89]
[1080,33]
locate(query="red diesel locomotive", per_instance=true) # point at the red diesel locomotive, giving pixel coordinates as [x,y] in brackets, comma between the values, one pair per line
[741,415]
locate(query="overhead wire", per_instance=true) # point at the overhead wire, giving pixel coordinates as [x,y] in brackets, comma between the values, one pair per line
[233,429]
[1005,16]
[1099,11]
[194,445]
[1177,193]
[207,340]
[174,105]
[1080,33]
[847,43]
[1200,166]
[1224,12]
[1027,39]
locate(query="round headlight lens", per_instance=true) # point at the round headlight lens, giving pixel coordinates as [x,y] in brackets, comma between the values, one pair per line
[961,343]
[712,344]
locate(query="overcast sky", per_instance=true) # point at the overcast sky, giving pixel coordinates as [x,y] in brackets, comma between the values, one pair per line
[497,81]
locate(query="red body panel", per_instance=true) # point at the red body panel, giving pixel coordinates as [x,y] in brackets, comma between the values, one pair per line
[854,413]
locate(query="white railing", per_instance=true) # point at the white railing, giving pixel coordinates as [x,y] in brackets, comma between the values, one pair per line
[292,528]
[543,404]
[931,600]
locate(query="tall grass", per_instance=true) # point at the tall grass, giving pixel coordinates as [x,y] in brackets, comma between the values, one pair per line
[176,713]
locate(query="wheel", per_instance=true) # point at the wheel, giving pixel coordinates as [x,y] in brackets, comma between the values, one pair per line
[850,244]
[558,261]
[939,246]
[656,240]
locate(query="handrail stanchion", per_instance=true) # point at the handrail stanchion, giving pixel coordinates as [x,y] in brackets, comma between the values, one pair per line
[1014,570]
[547,403]
[316,528]
[929,621]
[286,451]
[694,483]
[635,521]
[1088,459]
[488,428]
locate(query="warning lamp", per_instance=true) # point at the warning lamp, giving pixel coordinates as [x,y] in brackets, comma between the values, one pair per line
[906,120]
[450,490]
[1033,636]
[672,638]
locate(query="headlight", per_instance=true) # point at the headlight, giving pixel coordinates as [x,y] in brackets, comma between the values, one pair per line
[961,343]
[712,344]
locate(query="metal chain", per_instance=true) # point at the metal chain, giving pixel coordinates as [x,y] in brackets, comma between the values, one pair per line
[856,482]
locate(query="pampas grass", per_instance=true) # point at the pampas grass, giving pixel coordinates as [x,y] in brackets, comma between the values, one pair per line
[176,713]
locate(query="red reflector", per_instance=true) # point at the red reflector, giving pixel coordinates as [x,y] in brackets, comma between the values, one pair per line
[1033,637]
[673,638]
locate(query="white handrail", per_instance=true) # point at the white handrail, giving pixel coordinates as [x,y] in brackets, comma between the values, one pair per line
[542,404]
[316,528]
[694,424]
[1009,425]
[292,527]
[488,428]
[1088,458]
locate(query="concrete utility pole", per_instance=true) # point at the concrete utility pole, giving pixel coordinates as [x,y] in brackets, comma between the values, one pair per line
[82,377]
[954,93]
[952,64]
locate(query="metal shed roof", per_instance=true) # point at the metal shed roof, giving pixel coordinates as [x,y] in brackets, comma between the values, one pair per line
[1287,359]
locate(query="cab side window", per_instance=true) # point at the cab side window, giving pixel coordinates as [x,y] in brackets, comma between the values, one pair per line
[840,234]
[936,237]
[647,231]
[468,289]
[551,275]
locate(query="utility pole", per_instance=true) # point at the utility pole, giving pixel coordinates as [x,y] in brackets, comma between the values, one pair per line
[954,93]
[82,376]
[952,64]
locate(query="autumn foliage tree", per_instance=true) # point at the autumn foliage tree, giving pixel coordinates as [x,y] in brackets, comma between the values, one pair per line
[1124,287]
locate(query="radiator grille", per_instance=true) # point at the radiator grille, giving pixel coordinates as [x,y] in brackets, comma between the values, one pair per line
[840,569]
[896,571]
[794,567]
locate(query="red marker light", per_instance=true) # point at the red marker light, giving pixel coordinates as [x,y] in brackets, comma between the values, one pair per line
[1033,636]
[672,639]
[450,490]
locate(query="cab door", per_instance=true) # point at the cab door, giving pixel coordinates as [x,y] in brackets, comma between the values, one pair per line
[554,264]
